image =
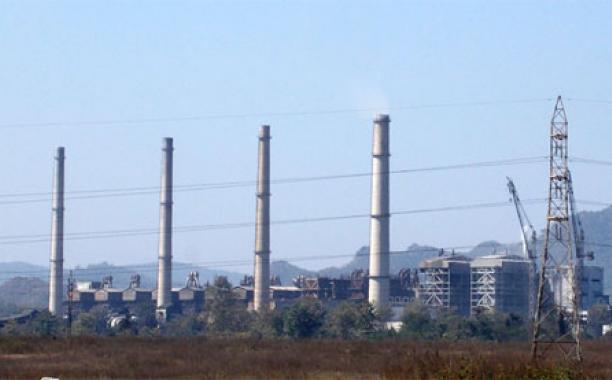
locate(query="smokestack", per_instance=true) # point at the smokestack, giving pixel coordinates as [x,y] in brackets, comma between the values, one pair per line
[164,275]
[379,220]
[261,297]
[56,272]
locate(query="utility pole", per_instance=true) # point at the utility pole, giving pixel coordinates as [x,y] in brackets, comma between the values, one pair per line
[556,321]
[70,289]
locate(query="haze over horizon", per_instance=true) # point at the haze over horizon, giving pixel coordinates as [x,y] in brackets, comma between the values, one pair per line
[317,75]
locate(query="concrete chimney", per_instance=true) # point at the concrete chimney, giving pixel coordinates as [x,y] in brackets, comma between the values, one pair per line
[379,220]
[56,262]
[164,274]
[261,297]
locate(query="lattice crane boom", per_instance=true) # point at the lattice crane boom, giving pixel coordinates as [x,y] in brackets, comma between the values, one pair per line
[528,233]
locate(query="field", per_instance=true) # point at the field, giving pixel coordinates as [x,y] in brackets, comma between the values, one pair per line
[201,358]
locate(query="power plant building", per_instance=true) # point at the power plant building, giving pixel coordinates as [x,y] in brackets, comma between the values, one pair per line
[592,287]
[88,294]
[500,283]
[444,283]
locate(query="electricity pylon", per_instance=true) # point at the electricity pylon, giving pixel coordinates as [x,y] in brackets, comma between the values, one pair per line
[556,321]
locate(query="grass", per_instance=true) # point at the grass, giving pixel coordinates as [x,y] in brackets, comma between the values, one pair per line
[202,358]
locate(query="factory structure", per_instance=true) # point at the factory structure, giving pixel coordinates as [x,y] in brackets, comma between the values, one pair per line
[454,282]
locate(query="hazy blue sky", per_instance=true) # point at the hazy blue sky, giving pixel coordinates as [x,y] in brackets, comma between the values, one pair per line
[68,61]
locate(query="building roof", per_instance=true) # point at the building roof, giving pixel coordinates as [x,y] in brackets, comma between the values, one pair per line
[498,260]
[443,261]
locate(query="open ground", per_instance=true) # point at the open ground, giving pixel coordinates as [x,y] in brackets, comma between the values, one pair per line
[205,358]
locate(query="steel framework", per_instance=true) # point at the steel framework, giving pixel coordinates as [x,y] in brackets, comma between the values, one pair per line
[435,287]
[556,320]
[484,282]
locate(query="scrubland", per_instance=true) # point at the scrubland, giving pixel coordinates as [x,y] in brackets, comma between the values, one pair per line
[206,358]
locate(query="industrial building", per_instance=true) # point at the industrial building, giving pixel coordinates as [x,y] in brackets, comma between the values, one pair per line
[503,283]
[444,283]
[592,287]
[332,290]
[89,294]
[500,283]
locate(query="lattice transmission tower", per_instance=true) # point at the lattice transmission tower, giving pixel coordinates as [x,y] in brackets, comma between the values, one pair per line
[556,319]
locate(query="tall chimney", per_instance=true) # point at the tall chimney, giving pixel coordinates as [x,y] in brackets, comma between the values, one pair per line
[261,296]
[379,220]
[56,267]
[164,274]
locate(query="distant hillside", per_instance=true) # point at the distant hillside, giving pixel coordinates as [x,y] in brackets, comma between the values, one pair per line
[121,273]
[287,272]
[598,234]
[12,269]
[597,226]
[412,256]
[148,273]
[23,293]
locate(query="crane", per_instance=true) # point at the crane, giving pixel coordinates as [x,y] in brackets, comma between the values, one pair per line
[529,238]
[577,225]
[528,233]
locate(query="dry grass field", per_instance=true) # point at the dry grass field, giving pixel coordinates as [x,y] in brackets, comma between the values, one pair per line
[201,358]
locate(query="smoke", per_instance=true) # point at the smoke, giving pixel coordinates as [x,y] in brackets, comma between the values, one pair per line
[371,98]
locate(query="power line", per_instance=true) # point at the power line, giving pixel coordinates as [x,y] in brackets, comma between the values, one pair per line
[149,190]
[583,100]
[144,268]
[93,235]
[195,118]
[41,238]
[590,161]
[135,191]
[152,267]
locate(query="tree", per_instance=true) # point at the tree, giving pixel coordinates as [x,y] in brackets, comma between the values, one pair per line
[184,325]
[304,318]
[418,323]
[43,324]
[267,324]
[350,320]
[40,324]
[222,312]
[94,322]
[144,315]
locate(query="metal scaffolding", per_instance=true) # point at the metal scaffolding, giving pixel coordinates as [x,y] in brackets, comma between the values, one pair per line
[483,288]
[500,283]
[444,282]
[434,289]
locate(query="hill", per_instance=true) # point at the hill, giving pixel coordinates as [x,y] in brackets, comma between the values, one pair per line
[597,226]
[287,272]
[598,234]
[148,273]
[22,293]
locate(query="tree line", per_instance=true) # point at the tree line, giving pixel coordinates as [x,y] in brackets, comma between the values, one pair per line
[225,316]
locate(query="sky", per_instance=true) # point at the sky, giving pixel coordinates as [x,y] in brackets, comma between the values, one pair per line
[463,82]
